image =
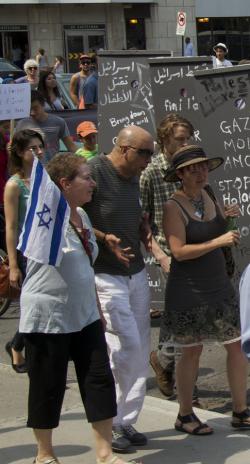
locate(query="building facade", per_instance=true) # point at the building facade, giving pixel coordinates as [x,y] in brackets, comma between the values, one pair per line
[71,29]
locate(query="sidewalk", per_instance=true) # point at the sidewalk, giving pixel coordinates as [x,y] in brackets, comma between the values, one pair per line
[74,443]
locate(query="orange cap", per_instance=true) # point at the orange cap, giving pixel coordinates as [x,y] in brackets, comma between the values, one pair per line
[86,128]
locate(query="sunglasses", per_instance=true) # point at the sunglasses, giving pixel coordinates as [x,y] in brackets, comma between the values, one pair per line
[85,62]
[143,153]
[32,67]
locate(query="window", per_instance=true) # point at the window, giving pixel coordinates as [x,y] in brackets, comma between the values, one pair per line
[135,33]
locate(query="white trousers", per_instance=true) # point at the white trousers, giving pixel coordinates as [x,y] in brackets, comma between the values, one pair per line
[125,303]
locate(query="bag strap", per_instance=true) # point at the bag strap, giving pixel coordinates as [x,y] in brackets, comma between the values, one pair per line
[82,242]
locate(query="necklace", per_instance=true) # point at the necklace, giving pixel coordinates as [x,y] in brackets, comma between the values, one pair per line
[199,205]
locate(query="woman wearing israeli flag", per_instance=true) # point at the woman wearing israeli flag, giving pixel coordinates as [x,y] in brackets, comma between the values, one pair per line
[60,310]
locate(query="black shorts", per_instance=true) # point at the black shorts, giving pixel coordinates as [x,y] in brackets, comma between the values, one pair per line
[46,357]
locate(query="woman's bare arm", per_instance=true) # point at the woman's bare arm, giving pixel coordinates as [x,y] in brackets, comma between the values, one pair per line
[11,202]
[175,232]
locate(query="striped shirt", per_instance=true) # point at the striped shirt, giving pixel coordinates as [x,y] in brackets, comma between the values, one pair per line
[154,193]
[115,209]
[88,154]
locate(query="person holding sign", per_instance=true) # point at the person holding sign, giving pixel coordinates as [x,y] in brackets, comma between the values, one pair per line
[221,50]
[122,283]
[201,304]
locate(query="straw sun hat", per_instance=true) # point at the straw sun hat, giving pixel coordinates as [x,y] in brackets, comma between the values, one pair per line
[190,155]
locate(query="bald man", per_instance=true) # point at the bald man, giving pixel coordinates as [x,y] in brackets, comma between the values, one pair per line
[122,283]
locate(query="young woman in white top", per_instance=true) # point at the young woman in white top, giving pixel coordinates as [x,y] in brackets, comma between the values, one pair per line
[48,86]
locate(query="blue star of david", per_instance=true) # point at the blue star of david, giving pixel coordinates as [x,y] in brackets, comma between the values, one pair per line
[40,214]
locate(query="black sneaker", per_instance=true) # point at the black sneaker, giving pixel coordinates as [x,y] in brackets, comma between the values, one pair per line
[119,440]
[133,436]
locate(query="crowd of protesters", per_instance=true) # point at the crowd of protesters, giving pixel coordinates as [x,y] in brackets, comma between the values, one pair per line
[95,305]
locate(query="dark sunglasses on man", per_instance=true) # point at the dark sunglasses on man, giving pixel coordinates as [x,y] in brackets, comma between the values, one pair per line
[144,153]
[85,62]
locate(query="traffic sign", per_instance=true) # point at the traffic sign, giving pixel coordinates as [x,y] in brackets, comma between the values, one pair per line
[74,56]
[181,23]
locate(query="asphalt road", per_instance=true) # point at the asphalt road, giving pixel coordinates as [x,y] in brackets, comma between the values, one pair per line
[212,381]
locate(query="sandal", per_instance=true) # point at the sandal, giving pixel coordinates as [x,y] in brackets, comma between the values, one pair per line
[155,313]
[191,418]
[48,461]
[114,459]
[241,415]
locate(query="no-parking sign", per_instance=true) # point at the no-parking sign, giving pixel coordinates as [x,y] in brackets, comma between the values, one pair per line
[181,23]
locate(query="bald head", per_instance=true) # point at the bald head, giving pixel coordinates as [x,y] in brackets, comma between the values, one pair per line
[132,152]
[131,135]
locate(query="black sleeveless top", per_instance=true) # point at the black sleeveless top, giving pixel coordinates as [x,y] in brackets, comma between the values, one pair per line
[200,281]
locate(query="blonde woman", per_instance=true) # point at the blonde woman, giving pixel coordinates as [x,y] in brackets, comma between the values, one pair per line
[31,69]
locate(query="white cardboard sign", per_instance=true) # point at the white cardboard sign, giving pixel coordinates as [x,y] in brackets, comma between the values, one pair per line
[181,23]
[14,101]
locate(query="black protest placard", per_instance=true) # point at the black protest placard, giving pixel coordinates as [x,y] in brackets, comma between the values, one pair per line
[173,87]
[224,98]
[124,93]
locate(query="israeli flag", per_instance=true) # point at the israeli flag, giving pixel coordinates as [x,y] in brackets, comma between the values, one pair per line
[47,216]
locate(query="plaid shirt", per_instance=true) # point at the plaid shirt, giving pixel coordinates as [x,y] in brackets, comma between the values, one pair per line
[154,193]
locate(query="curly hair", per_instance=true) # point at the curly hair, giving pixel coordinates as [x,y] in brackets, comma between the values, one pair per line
[166,127]
[64,165]
[30,63]
[19,142]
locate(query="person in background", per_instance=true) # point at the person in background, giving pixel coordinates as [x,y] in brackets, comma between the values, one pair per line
[15,201]
[31,69]
[78,79]
[221,50]
[46,68]
[41,58]
[5,127]
[51,127]
[59,64]
[189,48]
[8,80]
[48,87]
[90,87]
[16,55]
[3,179]
[26,52]
[87,133]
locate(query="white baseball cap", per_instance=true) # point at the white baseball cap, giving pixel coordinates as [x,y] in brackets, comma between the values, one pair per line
[220,45]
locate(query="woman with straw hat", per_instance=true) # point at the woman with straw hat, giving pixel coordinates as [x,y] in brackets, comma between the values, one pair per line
[201,304]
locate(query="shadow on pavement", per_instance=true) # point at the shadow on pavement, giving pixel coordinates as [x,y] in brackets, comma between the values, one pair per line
[10,455]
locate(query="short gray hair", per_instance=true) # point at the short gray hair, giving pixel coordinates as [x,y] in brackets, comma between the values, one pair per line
[30,63]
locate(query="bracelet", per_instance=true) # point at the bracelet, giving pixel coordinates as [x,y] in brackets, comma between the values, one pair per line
[103,240]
